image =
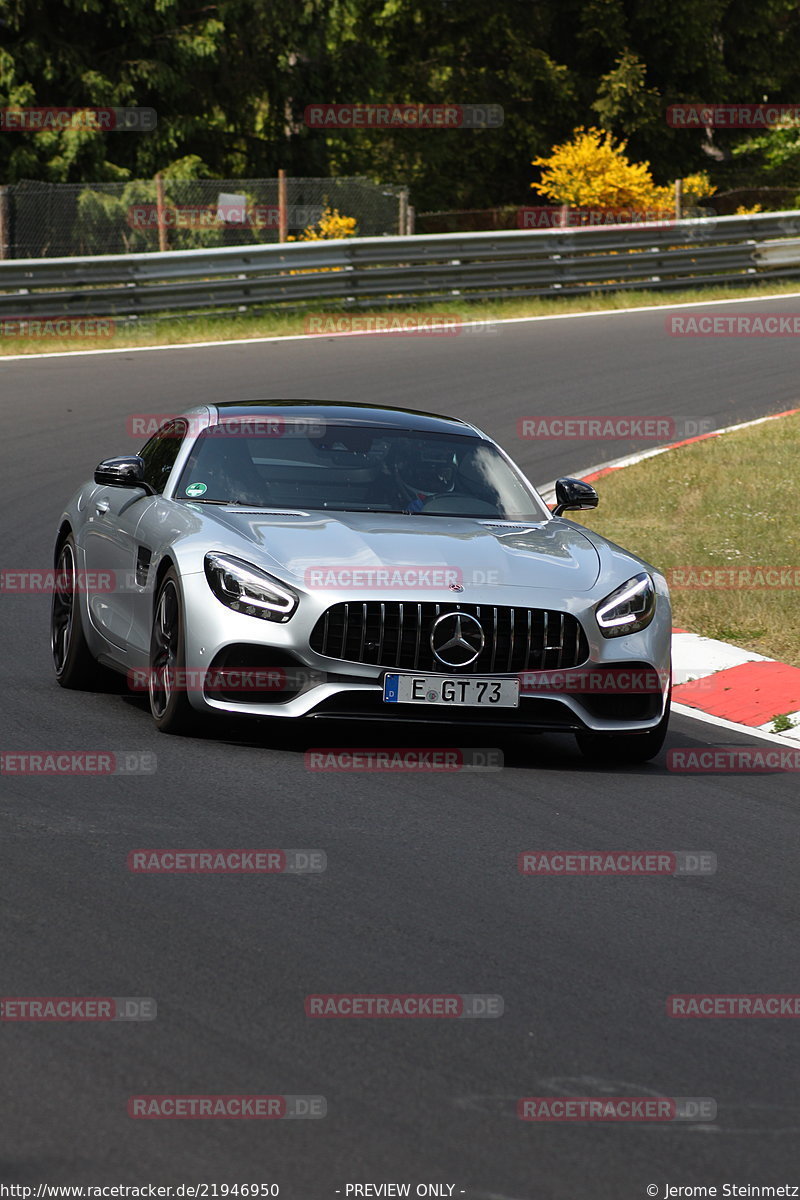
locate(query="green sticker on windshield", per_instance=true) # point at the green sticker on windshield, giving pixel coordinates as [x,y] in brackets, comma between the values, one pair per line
[196,489]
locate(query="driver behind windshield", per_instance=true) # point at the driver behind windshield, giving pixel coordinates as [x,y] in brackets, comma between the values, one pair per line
[357,469]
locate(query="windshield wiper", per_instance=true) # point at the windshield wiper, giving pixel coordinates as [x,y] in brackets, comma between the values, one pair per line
[228,503]
[376,512]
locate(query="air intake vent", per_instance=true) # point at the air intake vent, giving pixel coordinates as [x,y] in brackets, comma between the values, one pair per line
[510,528]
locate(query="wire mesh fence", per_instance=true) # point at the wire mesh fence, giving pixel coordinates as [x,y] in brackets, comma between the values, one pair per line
[51,220]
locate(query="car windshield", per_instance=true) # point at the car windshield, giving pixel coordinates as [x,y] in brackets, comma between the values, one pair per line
[351,467]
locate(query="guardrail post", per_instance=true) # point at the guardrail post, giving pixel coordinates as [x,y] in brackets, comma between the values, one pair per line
[402,212]
[161,213]
[283,216]
[5,246]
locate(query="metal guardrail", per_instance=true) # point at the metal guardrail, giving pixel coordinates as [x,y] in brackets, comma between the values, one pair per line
[393,271]
[781,253]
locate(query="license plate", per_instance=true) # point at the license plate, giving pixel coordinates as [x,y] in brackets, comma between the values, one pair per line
[437,689]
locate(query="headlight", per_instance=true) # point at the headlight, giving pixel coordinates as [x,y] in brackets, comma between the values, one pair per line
[629,608]
[247,589]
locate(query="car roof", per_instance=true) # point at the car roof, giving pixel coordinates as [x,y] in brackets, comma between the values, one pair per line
[346,412]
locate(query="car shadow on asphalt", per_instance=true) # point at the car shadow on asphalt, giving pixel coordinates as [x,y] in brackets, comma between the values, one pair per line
[556,752]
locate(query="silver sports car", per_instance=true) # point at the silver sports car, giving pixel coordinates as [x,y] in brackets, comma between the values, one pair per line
[294,558]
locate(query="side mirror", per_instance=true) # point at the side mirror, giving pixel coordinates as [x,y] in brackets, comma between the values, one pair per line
[126,472]
[574,493]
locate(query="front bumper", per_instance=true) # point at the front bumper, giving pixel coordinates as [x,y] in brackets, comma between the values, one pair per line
[324,688]
[334,697]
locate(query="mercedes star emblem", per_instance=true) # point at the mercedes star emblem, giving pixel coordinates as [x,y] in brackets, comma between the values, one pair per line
[457,639]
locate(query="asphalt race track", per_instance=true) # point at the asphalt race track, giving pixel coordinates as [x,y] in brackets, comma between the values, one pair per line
[422,892]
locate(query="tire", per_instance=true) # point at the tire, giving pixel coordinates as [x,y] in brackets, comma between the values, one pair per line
[625,749]
[73,662]
[169,705]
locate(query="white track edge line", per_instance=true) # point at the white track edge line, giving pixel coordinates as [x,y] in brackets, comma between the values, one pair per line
[294,337]
[697,714]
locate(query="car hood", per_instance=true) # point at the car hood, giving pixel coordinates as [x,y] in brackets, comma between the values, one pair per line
[553,554]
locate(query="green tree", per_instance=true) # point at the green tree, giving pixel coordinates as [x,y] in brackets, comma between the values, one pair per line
[221,78]
[230,81]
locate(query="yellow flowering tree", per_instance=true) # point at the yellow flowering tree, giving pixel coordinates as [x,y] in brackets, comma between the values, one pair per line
[593,171]
[696,188]
[331,225]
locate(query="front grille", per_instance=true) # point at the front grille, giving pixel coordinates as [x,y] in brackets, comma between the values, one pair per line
[396,634]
